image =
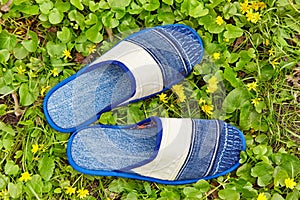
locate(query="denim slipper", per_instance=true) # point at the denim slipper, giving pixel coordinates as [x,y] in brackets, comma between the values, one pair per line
[162,150]
[141,65]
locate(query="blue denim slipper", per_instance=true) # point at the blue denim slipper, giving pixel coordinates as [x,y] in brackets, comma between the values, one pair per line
[162,150]
[141,65]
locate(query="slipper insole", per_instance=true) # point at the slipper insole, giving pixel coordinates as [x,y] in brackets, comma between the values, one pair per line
[82,98]
[112,149]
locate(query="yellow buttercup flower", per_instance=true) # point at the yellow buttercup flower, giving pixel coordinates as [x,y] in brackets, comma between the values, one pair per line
[25,177]
[178,90]
[271,52]
[244,7]
[252,86]
[34,148]
[216,55]
[43,90]
[54,72]
[163,97]
[92,49]
[21,70]
[70,190]
[207,109]
[262,5]
[261,196]
[255,5]
[255,101]
[274,62]
[212,84]
[67,54]
[267,42]
[253,17]
[82,193]
[201,101]
[290,183]
[219,20]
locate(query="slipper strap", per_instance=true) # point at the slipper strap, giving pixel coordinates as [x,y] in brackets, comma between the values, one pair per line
[145,70]
[173,150]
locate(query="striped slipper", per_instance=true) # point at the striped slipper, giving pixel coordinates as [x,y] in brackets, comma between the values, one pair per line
[162,150]
[141,65]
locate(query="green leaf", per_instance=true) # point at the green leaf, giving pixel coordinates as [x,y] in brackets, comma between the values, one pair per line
[235,99]
[263,171]
[118,4]
[62,6]
[46,6]
[30,9]
[55,50]
[168,2]
[55,16]
[77,4]
[166,17]
[108,118]
[229,194]
[230,76]
[3,181]
[11,168]
[150,5]
[193,8]
[64,35]
[229,10]
[252,119]
[26,97]
[202,185]
[4,56]
[20,52]
[94,6]
[15,190]
[244,172]
[91,19]
[7,41]
[293,195]
[233,31]
[266,73]
[93,34]
[46,167]
[192,192]
[35,186]
[277,196]
[279,176]
[31,45]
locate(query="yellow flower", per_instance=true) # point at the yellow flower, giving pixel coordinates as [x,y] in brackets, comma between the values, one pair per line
[262,5]
[226,40]
[271,52]
[219,20]
[201,101]
[43,90]
[25,177]
[255,101]
[178,90]
[274,62]
[163,97]
[54,72]
[92,49]
[34,148]
[252,86]
[253,17]
[67,54]
[70,190]
[267,42]
[21,70]
[216,55]
[207,109]
[81,193]
[212,85]
[261,196]
[290,183]
[255,5]
[244,7]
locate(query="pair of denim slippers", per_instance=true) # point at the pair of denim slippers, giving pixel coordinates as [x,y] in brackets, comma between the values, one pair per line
[162,150]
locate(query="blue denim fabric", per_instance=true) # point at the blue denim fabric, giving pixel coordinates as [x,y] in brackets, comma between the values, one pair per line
[87,94]
[202,161]
[98,148]
[175,48]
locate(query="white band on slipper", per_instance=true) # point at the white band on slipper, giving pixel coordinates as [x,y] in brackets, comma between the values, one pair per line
[147,73]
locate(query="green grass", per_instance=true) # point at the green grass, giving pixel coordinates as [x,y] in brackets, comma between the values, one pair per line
[252,59]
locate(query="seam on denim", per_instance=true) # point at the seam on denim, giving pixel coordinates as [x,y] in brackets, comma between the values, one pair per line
[216,149]
[176,49]
[223,151]
[190,151]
